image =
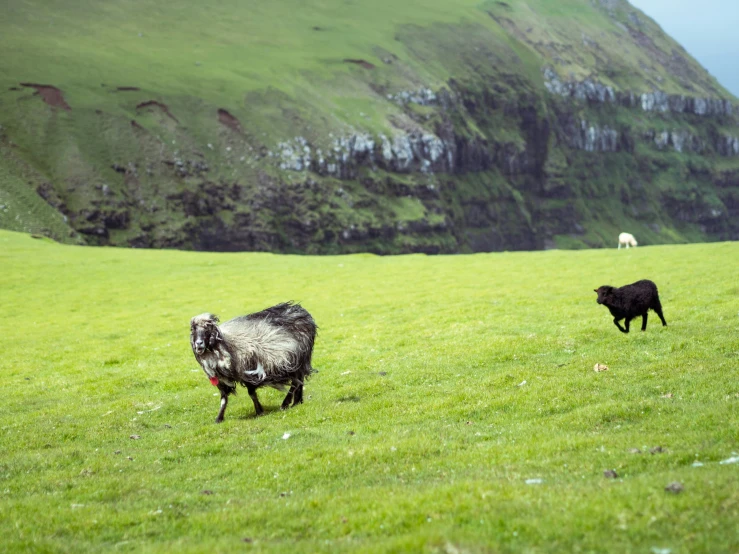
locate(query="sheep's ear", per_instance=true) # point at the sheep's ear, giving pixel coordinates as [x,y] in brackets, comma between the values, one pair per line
[214,337]
[595,290]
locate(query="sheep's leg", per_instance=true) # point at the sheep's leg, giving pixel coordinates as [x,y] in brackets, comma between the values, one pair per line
[298,392]
[224,403]
[253,395]
[619,246]
[615,322]
[644,322]
[289,397]
[627,321]
[225,391]
[658,310]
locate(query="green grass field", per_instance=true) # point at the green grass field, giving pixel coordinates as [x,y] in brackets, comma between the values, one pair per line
[445,384]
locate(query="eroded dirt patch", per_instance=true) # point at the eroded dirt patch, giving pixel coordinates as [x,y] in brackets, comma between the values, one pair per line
[50,94]
[363,63]
[155,104]
[229,120]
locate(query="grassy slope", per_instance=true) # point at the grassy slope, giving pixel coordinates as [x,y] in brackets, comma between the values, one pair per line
[266,64]
[239,48]
[248,46]
[581,41]
[21,209]
[431,455]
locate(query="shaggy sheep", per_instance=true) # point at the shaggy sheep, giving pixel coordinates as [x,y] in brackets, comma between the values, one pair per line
[627,239]
[631,301]
[270,348]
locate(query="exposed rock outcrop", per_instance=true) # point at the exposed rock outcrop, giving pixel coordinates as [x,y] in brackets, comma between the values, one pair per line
[727,146]
[594,138]
[684,141]
[403,153]
[587,90]
[590,90]
[423,97]
[658,101]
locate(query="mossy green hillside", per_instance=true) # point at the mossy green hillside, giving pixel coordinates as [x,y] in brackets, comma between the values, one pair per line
[448,386]
[219,89]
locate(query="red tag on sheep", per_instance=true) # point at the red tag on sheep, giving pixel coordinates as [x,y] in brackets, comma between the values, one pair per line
[214,381]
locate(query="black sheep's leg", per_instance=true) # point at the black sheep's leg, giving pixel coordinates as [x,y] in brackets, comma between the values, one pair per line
[298,392]
[644,322]
[658,310]
[289,397]
[224,402]
[627,321]
[253,395]
[615,322]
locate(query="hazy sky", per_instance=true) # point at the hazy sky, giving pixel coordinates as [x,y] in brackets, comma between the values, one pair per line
[708,29]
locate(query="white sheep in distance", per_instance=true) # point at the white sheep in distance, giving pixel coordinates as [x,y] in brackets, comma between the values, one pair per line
[626,239]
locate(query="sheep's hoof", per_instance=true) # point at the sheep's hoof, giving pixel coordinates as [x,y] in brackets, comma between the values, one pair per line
[219,420]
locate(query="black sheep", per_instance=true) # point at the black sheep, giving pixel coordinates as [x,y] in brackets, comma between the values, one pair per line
[631,301]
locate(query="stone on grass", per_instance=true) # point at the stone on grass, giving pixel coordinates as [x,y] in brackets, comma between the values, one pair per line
[674,487]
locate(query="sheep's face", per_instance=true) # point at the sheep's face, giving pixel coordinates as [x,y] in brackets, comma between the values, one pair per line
[604,294]
[204,333]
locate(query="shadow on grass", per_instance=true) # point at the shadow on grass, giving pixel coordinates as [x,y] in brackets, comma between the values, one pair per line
[251,414]
[352,398]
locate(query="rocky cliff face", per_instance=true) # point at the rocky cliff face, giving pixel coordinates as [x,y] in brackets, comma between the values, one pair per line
[655,101]
[528,212]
